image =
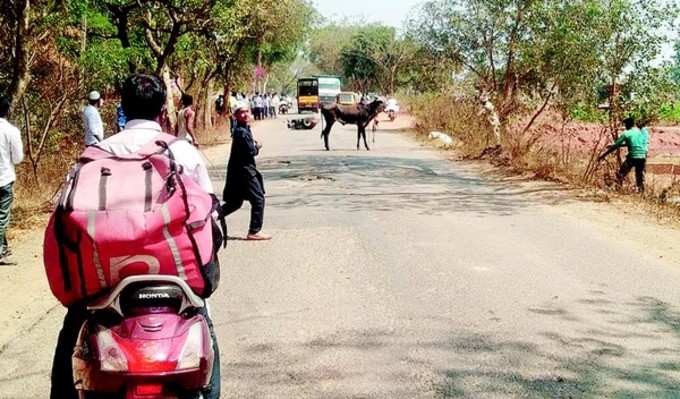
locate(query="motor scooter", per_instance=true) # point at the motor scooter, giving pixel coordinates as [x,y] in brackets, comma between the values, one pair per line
[147,339]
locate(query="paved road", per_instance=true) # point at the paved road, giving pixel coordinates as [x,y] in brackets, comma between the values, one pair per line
[399,274]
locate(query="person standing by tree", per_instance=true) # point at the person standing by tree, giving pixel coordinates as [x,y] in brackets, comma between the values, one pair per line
[244,182]
[92,120]
[186,120]
[637,142]
[11,153]
[276,102]
[259,107]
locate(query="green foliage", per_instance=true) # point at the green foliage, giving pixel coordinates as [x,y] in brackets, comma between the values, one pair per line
[525,54]
[675,67]
[326,44]
[587,113]
[359,56]
[670,112]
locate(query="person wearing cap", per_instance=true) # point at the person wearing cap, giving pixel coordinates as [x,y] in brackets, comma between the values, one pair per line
[244,181]
[92,120]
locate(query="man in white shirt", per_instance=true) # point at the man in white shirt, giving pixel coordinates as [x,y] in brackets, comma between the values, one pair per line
[143,97]
[11,153]
[92,121]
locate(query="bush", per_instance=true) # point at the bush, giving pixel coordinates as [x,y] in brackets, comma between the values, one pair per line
[456,116]
[670,113]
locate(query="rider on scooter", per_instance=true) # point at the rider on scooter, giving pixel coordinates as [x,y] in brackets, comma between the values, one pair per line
[143,98]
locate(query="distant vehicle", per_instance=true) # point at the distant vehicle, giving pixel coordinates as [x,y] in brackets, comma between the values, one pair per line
[317,91]
[348,98]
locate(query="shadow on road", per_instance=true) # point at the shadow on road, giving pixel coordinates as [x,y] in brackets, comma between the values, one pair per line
[369,183]
[632,354]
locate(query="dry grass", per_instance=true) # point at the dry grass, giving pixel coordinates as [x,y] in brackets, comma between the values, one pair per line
[218,134]
[527,154]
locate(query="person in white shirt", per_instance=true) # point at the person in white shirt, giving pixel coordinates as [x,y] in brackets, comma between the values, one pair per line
[92,121]
[275,105]
[11,153]
[143,98]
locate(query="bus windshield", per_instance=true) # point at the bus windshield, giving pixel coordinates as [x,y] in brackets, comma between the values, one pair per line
[308,87]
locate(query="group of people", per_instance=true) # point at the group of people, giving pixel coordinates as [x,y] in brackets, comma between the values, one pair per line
[262,106]
[143,100]
[94,126]
[244,181]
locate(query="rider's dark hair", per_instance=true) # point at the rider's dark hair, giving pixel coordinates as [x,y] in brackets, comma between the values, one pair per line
[629,122]
[143,97]
[4,106]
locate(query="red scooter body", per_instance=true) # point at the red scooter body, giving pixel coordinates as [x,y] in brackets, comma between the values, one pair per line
[151,344]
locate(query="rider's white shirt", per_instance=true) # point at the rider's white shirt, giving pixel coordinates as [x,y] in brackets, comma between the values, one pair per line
[138,133]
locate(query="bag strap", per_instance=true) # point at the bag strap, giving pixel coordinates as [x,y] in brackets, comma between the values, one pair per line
[221,217]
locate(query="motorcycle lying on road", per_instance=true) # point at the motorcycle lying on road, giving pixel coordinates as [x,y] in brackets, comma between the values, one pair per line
[147,339]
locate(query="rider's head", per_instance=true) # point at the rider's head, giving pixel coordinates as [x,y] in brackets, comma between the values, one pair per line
[143,97]
[4,106]
[629,122]
[187,100]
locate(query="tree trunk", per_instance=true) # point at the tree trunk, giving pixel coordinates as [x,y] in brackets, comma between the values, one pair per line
[170,100]
[208,105]
[492,114]
[20,71]
[121,16]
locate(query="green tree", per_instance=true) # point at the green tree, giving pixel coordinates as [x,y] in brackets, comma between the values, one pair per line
[326,43]
[544,52]
[362,57]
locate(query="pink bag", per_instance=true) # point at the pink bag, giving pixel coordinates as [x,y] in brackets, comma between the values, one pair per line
[136,214]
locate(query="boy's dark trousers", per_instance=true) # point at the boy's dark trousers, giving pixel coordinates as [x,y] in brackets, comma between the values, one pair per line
[639,164]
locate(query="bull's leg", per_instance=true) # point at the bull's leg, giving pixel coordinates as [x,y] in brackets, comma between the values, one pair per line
[358,136]
[363,133]
[326,132]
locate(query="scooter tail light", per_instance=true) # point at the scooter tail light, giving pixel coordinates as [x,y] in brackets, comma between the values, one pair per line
[111,356]
[192,352]
[149,389]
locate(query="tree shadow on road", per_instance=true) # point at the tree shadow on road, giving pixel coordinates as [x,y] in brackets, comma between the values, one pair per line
[631,353]
[363,183]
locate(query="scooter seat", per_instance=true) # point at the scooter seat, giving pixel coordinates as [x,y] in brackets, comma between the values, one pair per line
[144,297]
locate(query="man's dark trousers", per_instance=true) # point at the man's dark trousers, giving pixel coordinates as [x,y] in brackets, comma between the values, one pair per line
[639,164]
[249,189]
[6,198]
[62,366]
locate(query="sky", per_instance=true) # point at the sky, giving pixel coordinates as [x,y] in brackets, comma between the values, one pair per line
[389,12]
[394,13]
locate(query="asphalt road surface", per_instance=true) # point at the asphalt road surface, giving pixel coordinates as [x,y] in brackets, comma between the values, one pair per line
[397,273]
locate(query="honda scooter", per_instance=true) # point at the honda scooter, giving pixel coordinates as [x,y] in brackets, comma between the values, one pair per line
[147,339]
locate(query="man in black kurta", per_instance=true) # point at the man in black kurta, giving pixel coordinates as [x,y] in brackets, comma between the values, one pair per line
[244,182]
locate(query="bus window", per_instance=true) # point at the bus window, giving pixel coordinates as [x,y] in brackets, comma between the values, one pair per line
[308,88]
